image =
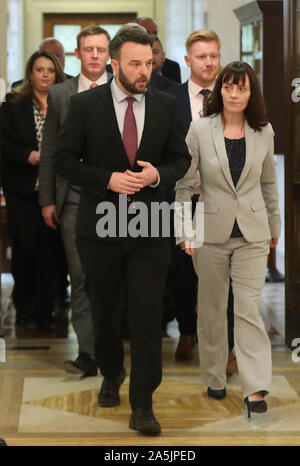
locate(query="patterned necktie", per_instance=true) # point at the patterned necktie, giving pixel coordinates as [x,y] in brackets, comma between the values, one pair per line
[205,93]
[130,132]
[93,85]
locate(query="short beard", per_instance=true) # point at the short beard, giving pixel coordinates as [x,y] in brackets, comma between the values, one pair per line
[130,87]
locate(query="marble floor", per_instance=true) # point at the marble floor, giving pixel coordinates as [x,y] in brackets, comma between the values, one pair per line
[41,405]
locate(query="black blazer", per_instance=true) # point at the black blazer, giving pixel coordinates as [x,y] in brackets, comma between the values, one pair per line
[90,149]
[184,105]
[181,92]
[19,140]
[171,70]
[161,82]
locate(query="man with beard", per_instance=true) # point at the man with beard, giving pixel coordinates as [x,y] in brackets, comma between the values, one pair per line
[122,142]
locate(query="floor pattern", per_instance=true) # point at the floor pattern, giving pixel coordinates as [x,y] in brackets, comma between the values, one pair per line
[41,405]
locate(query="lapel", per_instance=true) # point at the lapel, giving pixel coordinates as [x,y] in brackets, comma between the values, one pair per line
[151,109]
[185,112]
[250,137]
[72,86]
[28,118]
[106,108]
[219,142]
[218,137]
[186,104]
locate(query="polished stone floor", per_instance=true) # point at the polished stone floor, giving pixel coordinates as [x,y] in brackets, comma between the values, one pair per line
[41,405]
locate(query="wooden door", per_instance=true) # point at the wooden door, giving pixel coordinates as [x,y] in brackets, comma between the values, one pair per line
[66,26]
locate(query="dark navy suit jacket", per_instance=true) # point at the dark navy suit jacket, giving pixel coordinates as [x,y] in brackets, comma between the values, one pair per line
[182,94]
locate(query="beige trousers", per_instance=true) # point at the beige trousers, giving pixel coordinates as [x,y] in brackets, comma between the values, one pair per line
[246,264]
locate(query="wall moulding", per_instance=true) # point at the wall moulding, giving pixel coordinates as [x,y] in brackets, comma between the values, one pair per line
[34,10]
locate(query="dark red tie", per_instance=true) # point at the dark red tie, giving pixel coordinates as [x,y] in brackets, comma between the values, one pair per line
[130,132]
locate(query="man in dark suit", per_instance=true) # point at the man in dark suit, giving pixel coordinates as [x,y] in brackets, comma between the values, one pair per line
[161,82]
[203,58]
[170,68]
[159,57]
[120,177]
[59,199]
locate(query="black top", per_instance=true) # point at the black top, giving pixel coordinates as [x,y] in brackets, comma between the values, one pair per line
[236,153]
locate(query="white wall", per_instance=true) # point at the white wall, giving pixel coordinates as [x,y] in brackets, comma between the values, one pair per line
[15,42]
[182,17]
[3,47]
[221,18]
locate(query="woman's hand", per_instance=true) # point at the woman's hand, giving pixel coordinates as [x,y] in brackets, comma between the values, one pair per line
[187,247]
[274,242]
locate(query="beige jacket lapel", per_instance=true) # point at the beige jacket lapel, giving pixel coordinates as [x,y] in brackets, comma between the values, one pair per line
[250,138]
[218,137]
[219,142]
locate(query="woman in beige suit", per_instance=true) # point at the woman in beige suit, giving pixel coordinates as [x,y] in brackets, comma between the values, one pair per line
[233,151]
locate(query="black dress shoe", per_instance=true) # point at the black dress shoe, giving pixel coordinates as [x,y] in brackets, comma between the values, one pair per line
[2,442]
[216,394]
[83,365]
[143,420]
[109,392]
[259,406]
[274,276]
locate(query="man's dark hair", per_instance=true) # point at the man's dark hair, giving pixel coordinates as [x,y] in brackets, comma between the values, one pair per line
[236,72]
[128,33]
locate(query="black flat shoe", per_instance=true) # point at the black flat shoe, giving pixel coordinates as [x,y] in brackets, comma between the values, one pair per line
[109,393]
[216,394]
[259,406]
[83,365]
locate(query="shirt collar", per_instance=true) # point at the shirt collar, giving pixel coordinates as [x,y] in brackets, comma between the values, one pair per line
[195,88]
[85,83]
[119,95]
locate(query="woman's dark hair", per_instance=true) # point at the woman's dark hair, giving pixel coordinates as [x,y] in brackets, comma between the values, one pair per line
[236,72]
[26,89]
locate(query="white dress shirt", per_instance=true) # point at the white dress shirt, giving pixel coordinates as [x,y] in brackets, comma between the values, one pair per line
[121,104]
[196,99]
[196,102]
[84,83]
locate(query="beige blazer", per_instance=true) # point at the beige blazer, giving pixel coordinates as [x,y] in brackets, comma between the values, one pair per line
[254,201]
